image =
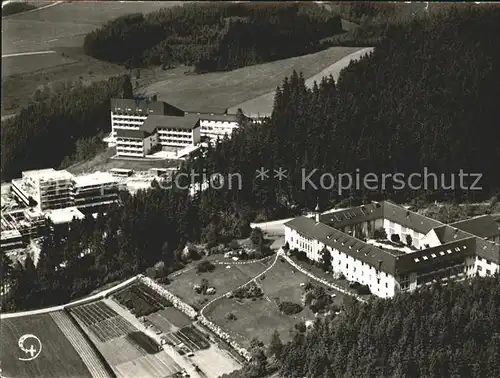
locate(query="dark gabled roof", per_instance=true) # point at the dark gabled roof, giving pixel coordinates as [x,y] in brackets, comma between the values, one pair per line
[415,261]
[375,210]
[134,134]
[353,215]
[187,122]
[483,226]
[369,254]
[484,248]
[407,218]
[144,106]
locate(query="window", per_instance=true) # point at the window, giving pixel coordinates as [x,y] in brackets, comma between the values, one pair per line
[378,281]
[347,266]
[386,285]
[488,272]
[479,268]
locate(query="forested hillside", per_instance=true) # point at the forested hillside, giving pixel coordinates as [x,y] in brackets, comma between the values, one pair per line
[57,124]
[214,36]
[427,97]
[444,331]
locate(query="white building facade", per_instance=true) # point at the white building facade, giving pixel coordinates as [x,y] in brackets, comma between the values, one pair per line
[447,255]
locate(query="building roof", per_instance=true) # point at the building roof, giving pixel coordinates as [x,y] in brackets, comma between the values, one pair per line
[144,106]
[377,210]
[455,241]
[96,178]
[48,174]
[133,134]
[66,215]
[483,226]
[407,218]
[484,248]
[420,260]
[187,122]
[218,117]
[379,259]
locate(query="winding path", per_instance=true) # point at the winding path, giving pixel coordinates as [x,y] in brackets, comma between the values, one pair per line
[240,286]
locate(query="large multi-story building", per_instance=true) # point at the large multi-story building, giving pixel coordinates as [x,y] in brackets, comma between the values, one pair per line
[45,189]
[127,114]
[95,190]
[216,126]
[49,189]
[437,251]
[141,127]
[158,132]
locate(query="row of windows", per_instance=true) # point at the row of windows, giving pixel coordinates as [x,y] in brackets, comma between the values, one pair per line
[180,136]
[480,269]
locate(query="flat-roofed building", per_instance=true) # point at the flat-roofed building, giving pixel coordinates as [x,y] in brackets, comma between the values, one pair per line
[95,190]
[130,114]
[441,252]
[64,216]
[45,189]
[216,126]
[157,132]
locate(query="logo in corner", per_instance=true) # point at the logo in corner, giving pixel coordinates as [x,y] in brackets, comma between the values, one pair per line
[31,346]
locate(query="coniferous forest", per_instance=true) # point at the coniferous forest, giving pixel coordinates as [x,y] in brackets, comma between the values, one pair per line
[214,36]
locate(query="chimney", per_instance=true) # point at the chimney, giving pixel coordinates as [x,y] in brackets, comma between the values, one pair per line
[317,212]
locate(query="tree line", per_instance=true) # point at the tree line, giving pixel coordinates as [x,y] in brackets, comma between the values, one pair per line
[214,36]
[60,124]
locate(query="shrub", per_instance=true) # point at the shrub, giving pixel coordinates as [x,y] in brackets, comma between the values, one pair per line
[363,290]
[290,308]
[380,234]
[395,238]
[205,266]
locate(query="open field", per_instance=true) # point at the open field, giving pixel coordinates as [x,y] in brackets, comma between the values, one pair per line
[261,317]
[57,359]
[43,28]
[222,279]
[60,28]
[220,90]
[109,333]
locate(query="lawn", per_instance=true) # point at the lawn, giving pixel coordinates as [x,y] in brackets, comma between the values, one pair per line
[222,279]
[57,359]
[261,317]
[29,63]
[220,90]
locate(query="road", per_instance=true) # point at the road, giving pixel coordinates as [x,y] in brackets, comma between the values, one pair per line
[94,297]
[28,53]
